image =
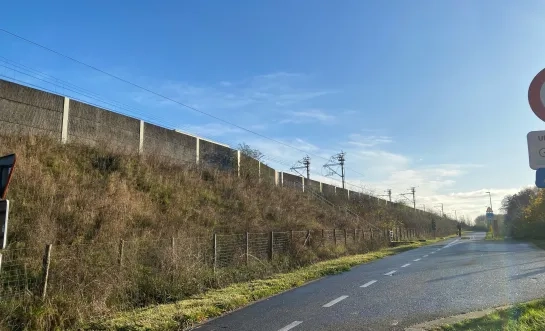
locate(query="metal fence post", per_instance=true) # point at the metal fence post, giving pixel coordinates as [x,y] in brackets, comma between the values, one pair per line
[271,238]
[45,269]
[121,250]
[247,247]
[215,251]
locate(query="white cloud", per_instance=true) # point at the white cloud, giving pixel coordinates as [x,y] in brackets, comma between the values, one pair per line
[306,116]
[360,140]
[211,130]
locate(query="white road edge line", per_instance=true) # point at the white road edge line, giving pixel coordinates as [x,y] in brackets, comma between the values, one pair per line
[291,326]
[416,260]
[331,303]
[390,273]
[369,283]
[405,265]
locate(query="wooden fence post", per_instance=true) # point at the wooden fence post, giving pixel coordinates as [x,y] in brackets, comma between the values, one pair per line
[344,237]
[45,269]
[173,248]
[215,251]
[121,251]
[247,247]
[335,237]
[271,239]
[355,234]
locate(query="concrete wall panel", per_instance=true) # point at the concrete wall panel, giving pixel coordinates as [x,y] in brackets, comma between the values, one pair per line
[267,174]
[172,145]
[24,110]
[92,125]
[312,184]
[215,155]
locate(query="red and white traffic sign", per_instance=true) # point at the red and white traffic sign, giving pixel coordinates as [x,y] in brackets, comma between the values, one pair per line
[536,95]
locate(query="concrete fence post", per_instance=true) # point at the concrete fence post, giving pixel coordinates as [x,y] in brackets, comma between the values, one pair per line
[45,269]
[65,113]
[276,178]
[238,163]
[198,151]
[259,171]
[141,139]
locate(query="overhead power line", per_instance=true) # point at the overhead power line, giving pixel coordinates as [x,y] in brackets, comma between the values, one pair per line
[162,95]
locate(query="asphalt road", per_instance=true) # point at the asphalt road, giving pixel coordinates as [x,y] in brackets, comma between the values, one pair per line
[448,278]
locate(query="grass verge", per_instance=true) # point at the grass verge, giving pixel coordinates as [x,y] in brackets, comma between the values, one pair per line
[522,317]
[186,313]
[489,236]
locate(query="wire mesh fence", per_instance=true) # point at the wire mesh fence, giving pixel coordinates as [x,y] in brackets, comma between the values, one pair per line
[96,267]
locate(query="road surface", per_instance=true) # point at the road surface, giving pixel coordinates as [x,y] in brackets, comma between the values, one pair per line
[448,278]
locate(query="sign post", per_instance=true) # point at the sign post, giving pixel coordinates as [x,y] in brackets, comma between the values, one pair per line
[536,139]
[4,213]
[489,218]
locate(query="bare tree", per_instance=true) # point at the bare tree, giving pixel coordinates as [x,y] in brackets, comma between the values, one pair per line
[251,152]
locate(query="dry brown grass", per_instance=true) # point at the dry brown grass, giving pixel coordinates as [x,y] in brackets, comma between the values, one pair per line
[84,200]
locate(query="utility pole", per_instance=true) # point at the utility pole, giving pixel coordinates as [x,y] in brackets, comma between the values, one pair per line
[414,199]
[305,165]
[442,212]
[336,160]
[390,195]
[413,194]
[490,197]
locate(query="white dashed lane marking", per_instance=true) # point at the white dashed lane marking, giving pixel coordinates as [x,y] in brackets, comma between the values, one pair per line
[331,303]
[369,283]
[390,273]
[290,326]
[416,260]
[405,265]
[425,255]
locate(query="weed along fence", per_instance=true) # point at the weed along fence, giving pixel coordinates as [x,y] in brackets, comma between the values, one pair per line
[77,269]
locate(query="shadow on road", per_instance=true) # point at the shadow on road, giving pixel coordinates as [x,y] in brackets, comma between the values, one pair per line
[542,270]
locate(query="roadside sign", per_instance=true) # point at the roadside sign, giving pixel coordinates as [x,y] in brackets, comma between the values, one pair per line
[6,170]
[4,213]
[536,149]
[540,178]
[536,95]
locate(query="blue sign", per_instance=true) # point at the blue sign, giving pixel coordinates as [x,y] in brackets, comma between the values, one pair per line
[489,216]
[540,177]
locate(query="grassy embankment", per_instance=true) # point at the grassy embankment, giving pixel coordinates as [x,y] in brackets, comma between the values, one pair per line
[186,313]
[84,200]
[523,317]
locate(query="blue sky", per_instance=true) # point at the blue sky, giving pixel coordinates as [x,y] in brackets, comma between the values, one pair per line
[430,94]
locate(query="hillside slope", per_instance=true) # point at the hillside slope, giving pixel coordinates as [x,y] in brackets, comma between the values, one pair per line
[85,200]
